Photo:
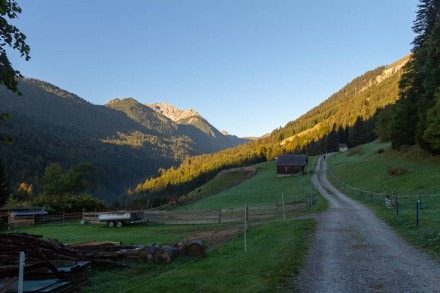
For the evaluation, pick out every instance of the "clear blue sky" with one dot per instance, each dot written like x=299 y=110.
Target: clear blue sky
x=247 y=66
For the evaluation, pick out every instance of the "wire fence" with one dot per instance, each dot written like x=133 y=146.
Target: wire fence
x=418 y=209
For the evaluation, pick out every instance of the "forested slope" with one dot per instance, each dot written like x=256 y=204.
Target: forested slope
x=124 y=140
x=348 y=116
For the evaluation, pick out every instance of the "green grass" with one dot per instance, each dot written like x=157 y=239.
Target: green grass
x=130 y=234
x=275 y=251
x=367 y=168
x=264 y=188
x=223 y=181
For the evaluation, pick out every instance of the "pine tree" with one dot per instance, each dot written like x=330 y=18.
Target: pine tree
x=432 y=132
x=420 y=81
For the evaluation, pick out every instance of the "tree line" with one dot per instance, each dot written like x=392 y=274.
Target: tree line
x=416 y=116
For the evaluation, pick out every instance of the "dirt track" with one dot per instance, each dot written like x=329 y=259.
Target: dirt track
x=354 y=251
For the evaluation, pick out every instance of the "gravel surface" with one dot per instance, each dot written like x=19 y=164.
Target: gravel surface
x=354 y=251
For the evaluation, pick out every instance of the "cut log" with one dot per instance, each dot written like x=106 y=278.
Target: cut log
x=164 y=255
x=195 y=249
x=179 y=248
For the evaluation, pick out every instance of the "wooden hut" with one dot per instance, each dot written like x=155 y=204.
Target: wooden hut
x=288 y=165
x=24 y=217
x=343 y=147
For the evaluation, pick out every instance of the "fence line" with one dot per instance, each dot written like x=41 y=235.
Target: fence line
x=216 y=216
x=36 y=219
x=175 y=217
x=408 y=205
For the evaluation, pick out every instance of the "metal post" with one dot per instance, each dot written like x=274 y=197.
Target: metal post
x=245 y=227
x=21 y=272
x=417 y=213
x=420 y=201
x=397 y=205
x=282 y=200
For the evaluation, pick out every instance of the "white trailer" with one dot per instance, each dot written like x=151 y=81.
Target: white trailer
x=118 y=219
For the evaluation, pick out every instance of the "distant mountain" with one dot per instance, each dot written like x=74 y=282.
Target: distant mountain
x=171 y=112
x=165 y=118
x=124 y=140
x=187 y=118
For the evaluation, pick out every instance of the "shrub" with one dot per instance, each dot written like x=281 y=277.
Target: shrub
x=68 y=203
x=397 y=171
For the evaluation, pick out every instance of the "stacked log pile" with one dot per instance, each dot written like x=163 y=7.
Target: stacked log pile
x=153 y=253
x=37 y=249
x=44 y=258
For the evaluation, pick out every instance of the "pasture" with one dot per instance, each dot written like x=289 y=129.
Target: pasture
x=273 y=253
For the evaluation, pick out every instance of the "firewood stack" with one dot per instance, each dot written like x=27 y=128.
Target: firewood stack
x=35 y=249
x=48 y=259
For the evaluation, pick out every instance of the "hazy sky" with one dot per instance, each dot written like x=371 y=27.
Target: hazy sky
x=247 y=66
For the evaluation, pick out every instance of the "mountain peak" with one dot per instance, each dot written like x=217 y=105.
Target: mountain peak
x=172 y=112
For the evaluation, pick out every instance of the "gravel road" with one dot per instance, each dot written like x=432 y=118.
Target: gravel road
x=354 y=251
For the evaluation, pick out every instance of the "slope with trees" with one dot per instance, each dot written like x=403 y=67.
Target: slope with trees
x=416 y=119
x=124 y=140
x=12 y=37
x=348 y=116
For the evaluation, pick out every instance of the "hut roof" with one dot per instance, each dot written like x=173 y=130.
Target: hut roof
x=27 y=212
x=292 y=160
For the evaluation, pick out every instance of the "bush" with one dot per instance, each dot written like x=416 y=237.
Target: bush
x=69 y=203
x=397 y=171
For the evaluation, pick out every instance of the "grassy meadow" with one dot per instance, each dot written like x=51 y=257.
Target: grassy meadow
x=264 y=188
x=274 y=253
x=372 y=171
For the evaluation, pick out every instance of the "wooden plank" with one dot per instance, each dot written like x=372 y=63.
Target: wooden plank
x=190 y=222
x=388 y=203
x=232 y=220
x=262 y=208
x=241 y=210
x=262 y=212
x=192 y=216
x=22 y=223
x=262 y=216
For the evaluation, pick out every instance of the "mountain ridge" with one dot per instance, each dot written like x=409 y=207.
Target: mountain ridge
x=172 y=112
x=125 y=140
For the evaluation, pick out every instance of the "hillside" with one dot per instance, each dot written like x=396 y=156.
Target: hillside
x=361 y=98
x=348 y=116
x=124 y=140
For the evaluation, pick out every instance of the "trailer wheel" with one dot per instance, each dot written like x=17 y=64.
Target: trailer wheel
x=111 y=224
x=119 y=224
